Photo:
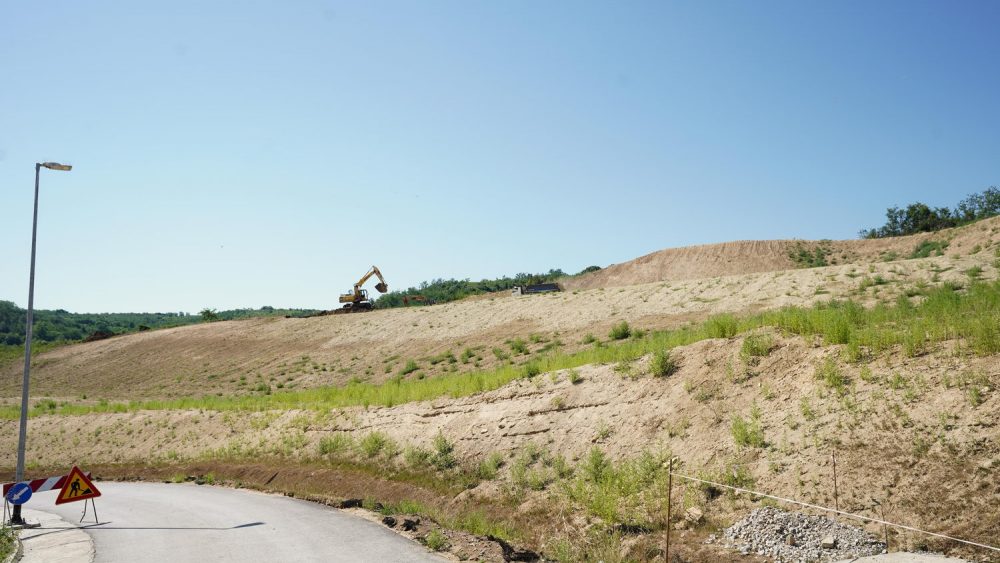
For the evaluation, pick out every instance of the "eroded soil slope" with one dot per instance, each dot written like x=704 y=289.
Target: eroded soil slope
x=754 y=256
x=914 y=428
x=261 y=355
x=906 y=426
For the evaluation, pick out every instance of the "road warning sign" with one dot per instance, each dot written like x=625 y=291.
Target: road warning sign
x=77 y=487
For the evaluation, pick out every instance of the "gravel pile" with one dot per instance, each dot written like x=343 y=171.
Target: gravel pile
x=792 y=536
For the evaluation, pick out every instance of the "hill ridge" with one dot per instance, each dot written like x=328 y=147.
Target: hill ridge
x=758 y=256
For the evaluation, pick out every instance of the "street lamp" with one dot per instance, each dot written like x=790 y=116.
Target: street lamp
x=19 y=475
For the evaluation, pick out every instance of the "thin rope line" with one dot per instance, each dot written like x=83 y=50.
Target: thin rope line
x=841 y=512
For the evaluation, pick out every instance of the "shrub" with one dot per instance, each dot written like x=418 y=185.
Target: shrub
x=854 y=353
x=929 y=247
x=574 y=377
x=336 y=443
x=46 y=404
x=519 y=346
x=662 y=364
x=374 y=443
x=436 y=540
x=756 y=345
x=721 y=326
x=467 y=355
x=620 y=331
x=489 y=467
x=444 y=457
x=417 y=457
x=806 y=257
x=628 y=494
x=748 y=432
x=597 y=465
x=562 y=468
x=410 y=367
x=531 y=370
x=449 y=356
x=588 y=339
x=830 y=374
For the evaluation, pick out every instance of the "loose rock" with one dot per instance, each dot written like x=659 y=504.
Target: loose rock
x=694 y=515
x=794 y=536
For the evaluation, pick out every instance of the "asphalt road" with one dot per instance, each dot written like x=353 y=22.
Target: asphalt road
x=153 y=522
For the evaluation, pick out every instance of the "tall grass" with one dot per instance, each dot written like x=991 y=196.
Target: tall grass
x=970 y=316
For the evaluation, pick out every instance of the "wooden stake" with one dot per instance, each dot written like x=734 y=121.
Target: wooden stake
x=836 y=501
x=670 y=489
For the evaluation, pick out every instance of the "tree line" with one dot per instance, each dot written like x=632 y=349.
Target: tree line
x=921 y=218
x=442 y=290
x=62 y=326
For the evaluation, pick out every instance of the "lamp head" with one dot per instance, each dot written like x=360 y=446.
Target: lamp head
x=56 y=166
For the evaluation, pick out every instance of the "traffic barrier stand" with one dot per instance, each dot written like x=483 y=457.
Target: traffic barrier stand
x=84 y=515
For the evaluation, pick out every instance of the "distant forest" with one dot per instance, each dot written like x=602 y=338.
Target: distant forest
x=921 y=218
x=59 y=326
x=441 y=291
x=63 y=326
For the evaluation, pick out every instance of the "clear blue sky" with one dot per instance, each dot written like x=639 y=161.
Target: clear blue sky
x=240 y=154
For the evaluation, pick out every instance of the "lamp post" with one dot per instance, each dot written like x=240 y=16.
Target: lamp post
x=19 y=475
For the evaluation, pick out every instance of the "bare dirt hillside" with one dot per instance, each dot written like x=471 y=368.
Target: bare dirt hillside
x=906 y=428
x=743 y=257
x=262 y=355
x=915 y=429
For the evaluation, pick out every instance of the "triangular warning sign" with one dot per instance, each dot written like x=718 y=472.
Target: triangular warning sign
x=77 y=487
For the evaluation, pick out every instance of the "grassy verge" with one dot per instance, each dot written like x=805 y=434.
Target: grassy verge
x=8 y=542
x=969 y=316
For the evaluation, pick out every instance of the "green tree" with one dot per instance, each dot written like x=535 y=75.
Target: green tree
x=921 y=218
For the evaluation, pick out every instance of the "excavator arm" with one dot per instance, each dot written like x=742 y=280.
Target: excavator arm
x=359 y=297
x=382 y=287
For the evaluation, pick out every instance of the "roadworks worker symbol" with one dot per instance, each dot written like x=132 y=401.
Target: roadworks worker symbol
x=77 y=487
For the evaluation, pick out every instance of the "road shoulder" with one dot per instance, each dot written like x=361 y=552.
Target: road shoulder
x=55 y=540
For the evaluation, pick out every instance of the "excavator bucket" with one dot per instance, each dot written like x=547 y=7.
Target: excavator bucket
x=381 y=287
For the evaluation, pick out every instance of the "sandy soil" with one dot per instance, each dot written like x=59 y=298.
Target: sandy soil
x=236 y=357
x=755 y=256
x=891 y=442
x=906 y=435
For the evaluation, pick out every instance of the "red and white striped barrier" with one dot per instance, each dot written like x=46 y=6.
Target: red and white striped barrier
x=41 y=485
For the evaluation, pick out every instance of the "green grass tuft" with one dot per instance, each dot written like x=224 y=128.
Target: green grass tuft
x=748 y=432
x=662 y=364
x=620 y=331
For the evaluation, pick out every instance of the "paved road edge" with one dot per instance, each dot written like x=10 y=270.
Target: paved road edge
x=55 y=540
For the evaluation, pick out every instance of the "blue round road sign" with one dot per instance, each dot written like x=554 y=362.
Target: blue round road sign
x=19 y=493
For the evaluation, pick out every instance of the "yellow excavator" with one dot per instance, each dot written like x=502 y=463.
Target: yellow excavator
x=358 y=301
